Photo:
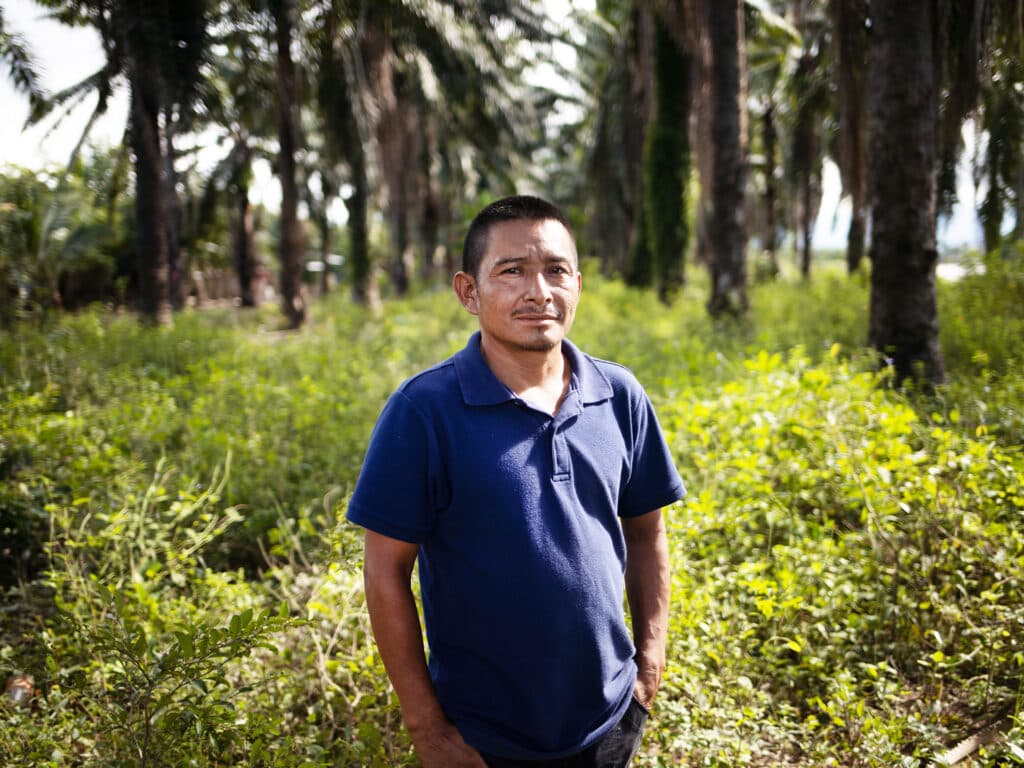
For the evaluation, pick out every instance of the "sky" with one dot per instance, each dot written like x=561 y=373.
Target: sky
x=64 y=56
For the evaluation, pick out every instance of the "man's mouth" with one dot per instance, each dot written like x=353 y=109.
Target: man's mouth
x=535 y=316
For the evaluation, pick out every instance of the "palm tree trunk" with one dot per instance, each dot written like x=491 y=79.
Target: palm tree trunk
x=393 y=145
x=809 y=199
x=430 y=202
x=727 y=223
x=344 y=95
x=991 y=211
x=1018 y=225
x=904 y=323
x=150 y=215
x=769 y=135
x=702 y=133
x=667 y=162
x=243 y=250
x=319 y=211
x=807 y=158
x=849 y=21
x=632 y=256
x=173 y=212
x=290 y=247
x=364 y=285
x=806 y=229
x=856 y=237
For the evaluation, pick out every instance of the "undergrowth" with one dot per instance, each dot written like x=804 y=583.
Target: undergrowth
x=182 y=586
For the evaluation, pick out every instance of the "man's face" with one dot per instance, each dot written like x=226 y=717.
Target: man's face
x=527 y=287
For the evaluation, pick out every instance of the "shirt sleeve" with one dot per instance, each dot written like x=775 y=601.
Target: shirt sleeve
x=396 y=490
x=654 y=481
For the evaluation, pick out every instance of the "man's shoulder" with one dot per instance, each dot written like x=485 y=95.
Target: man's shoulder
x=619 y=376
x=436 y=381
x=611 y=368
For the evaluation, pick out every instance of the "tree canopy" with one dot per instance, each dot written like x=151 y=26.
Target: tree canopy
x=406 y=115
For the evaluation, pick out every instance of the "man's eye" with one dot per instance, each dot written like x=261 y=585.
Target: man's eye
x=511 y=271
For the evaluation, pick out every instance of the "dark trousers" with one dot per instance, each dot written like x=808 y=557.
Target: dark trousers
x=615 y=749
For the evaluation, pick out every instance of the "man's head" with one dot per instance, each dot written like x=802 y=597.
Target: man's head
x=515 y=208
x=521 y=276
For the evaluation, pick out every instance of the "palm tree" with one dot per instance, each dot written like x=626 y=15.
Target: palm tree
x=190 y=60
x=341 y=100
x=140 y=39
x=614 y=60
x=667 y=153
x=458 y=60
x=771 y=48
x=404 y=81
x=1002 y=123
x=234 y=99
x=925 y=76
x=808 y=85
x=961 y=57
x=290 y=247
x=24 y=276
x=722 y=46
x=849 y=24
x=164 y=44
x=156 y=45
x=57 y=256
x=903 y=106
x=394 y=131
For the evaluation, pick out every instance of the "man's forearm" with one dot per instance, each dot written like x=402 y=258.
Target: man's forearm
x=648 y=586
x=396 y=628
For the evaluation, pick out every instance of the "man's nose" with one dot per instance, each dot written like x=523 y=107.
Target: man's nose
x=537 y=288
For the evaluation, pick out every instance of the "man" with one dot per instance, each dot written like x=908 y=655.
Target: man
x=527 y=479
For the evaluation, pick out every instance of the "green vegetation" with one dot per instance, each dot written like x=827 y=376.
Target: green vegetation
x=185 y=591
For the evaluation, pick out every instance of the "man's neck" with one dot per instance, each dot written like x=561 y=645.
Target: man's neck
x=540 y=377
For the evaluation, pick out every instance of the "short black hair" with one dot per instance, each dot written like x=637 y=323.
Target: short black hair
x=515 y=208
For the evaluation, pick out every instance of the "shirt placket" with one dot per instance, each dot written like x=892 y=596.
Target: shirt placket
x=560 y=459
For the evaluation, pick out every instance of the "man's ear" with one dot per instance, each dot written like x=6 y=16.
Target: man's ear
x=465 y=289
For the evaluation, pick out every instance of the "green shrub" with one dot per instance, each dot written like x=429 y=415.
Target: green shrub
x=145 y=654
x=847 y=573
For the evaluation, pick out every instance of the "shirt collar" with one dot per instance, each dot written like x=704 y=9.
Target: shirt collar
x=480 y=386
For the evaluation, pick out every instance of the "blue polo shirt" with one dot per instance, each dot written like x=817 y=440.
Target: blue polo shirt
x=521 y=556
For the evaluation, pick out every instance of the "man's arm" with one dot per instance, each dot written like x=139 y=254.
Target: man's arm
x=648 y=582
x=396 y=626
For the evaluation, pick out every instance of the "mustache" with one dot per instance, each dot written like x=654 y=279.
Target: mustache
x=538 y=312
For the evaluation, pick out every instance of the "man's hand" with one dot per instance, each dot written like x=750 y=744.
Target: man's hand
x=441 y=746
x=648 y=582
x=648 y=679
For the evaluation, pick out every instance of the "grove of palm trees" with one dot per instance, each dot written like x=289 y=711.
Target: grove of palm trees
x=189 y=375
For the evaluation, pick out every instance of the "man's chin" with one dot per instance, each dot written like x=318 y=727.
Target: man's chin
x=544 y=346
x=542 y=340
x=539 y=344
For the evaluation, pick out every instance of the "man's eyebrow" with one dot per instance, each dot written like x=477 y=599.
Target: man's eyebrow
x=509 y=260
x=550 y=258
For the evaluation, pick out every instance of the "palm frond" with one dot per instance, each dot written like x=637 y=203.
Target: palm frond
x=773 y=25
x=70 y=97
x=14 y=52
